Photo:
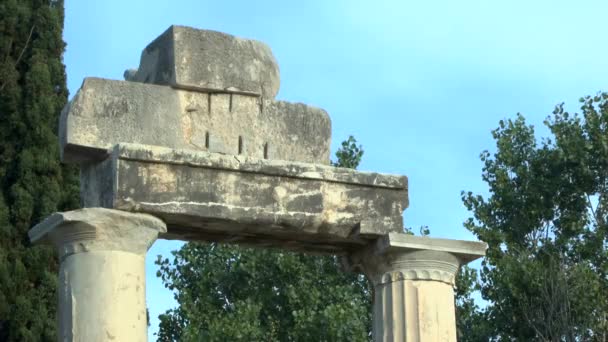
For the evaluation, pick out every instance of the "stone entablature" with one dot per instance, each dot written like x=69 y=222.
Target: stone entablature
x=195 y=89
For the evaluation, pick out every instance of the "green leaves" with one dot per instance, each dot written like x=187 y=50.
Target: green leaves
x=349 y=155
x=241 y=294
x=545 y=224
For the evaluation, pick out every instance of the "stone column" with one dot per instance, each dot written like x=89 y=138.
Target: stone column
x=413 y=281
x=102 y=290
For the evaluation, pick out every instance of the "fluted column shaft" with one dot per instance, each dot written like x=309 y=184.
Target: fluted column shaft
x=414 y=299
x=413 y=282
x=102 y=272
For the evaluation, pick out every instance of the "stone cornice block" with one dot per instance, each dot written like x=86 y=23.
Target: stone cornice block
x=215 y=197
x=209 y=61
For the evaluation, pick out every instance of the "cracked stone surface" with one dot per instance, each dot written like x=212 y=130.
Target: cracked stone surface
x=215 y=197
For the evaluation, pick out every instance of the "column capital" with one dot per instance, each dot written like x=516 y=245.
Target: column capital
x=98 y=229
x=398 y=256
x=413 y=279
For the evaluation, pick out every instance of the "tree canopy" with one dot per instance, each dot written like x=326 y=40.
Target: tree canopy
x=33 y=183
x=545 y=274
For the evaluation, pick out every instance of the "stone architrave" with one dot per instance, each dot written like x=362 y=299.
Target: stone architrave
x=413 y=280
x=214 y=197
x=102 y=290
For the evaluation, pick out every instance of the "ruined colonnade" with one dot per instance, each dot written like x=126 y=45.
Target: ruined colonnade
x=193 y=146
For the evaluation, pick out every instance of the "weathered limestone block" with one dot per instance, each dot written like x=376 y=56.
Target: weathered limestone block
x=106 y=112
x=413 y=279
x=209 y=61
x=214 y=197
x=102 y=293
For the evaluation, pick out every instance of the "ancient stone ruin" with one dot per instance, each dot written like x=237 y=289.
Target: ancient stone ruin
x=193 y=146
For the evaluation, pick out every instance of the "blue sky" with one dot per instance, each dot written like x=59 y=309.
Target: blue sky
x=420 y=84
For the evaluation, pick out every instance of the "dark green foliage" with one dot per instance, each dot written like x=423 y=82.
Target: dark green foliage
x=471 y=322
x=349 y=155
x=546 y=271
x=227 y=293
x=33 y=183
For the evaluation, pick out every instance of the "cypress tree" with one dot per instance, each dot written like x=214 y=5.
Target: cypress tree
x=33 y=183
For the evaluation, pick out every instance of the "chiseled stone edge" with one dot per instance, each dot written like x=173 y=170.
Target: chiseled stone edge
x=466 y=251
x=148 y=153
